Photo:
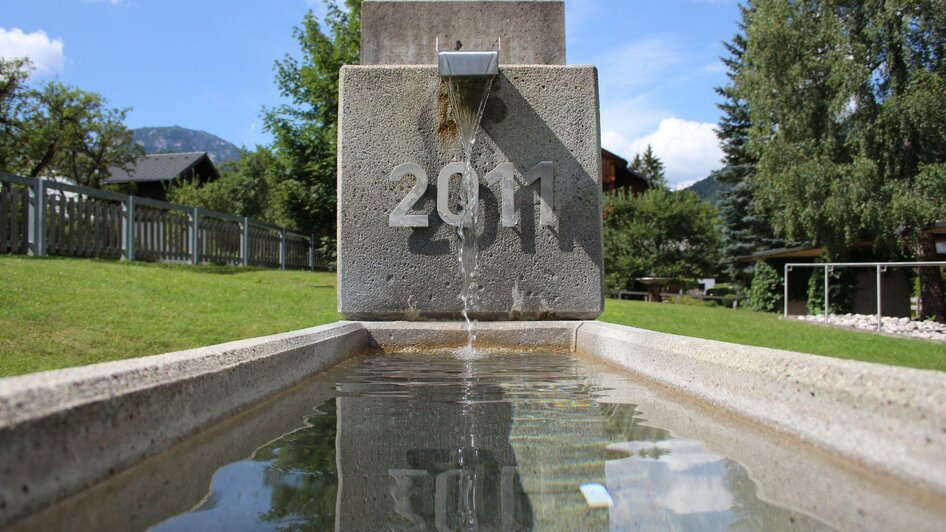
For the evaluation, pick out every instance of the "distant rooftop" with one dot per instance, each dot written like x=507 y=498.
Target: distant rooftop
x=162 y=167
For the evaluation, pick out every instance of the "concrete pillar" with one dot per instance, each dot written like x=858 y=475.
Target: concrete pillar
x=396 y=32
x=282 y=248
x=245 y=242
x=128 y=229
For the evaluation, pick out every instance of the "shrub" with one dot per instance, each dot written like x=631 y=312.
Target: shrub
x=765 y=292
x=327 y=249
x=660 y=233
x=843 y=286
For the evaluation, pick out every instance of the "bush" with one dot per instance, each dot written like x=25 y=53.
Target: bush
x=765 y=292
x=328 y=251
x=843 y=286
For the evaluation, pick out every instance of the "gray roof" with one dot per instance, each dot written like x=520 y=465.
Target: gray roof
x=159 y=167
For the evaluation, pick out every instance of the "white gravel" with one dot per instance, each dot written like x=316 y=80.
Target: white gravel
x=900 y=326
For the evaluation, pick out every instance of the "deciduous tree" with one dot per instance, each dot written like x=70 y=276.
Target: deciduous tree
x=659 y=233
x=57 y=130
x=304 y=128
x=847 y=106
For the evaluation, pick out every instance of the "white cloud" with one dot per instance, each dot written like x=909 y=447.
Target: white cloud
x=630 y=78
x=693 y=494
x=45 y=53
x=631 y=117
x=684 y=184
x=113 y=2
x=689 y=150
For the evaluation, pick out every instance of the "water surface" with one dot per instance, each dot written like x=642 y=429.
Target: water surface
x=500 y=442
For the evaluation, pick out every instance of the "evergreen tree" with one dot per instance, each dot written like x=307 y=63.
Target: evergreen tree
x=745 y=230
x=651 y=167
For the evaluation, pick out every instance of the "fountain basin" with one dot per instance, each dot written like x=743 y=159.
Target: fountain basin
x=63 y=431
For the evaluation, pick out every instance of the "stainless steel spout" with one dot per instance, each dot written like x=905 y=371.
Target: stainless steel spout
x=468 y=64
x=464 y=63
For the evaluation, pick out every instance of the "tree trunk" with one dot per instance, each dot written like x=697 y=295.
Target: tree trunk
x=932 y=302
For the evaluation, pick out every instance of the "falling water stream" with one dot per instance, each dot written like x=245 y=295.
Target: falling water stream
x=467 y=96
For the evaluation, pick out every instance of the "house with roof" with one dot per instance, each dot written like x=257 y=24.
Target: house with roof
x=154 y=174
x=617 y=175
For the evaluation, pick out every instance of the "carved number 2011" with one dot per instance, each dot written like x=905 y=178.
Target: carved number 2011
x=504 y=173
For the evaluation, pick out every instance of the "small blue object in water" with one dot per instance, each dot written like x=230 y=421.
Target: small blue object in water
x=596 y=495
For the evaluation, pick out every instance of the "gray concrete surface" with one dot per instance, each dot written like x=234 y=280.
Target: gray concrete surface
x=62 y=431
x=785 y=470
x=395 y=336
x=399 y=32
x=886 y=418
x=394 y=115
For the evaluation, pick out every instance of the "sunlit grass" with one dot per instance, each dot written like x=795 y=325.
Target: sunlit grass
x=767 y=330
x=57 y=313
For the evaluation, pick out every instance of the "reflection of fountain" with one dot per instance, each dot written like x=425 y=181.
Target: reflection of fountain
x=468 y=77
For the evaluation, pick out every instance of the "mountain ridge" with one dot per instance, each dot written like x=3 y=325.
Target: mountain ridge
x=709 y=189
x=171 y=139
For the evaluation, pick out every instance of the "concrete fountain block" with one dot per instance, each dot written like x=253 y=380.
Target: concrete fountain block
x=405 y=32
x=391 y=115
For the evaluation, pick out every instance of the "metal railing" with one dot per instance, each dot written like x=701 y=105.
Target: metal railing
x=39 y=217
x=881 y=267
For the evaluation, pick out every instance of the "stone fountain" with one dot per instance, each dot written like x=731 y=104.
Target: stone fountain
x=536 y=164
x=816 y=432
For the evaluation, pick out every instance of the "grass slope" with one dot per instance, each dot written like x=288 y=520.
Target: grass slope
x=57 y=313
x=767 y=330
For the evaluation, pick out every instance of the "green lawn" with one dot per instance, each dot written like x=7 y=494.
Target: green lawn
x=767 y=330
x=57 y=313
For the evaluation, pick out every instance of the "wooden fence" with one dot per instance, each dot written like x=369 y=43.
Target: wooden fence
x=40 y=218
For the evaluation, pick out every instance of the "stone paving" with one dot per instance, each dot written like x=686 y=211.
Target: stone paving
x=930 y=330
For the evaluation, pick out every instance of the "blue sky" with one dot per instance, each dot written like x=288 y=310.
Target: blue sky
x=207 y=64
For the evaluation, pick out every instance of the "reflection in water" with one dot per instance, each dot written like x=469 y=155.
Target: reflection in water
x=431 y=442
x=288 y=483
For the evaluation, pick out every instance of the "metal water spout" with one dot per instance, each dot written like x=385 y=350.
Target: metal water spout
x=463 y=63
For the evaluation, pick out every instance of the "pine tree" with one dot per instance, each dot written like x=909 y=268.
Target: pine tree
x=745 y=231
x=651 y=167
